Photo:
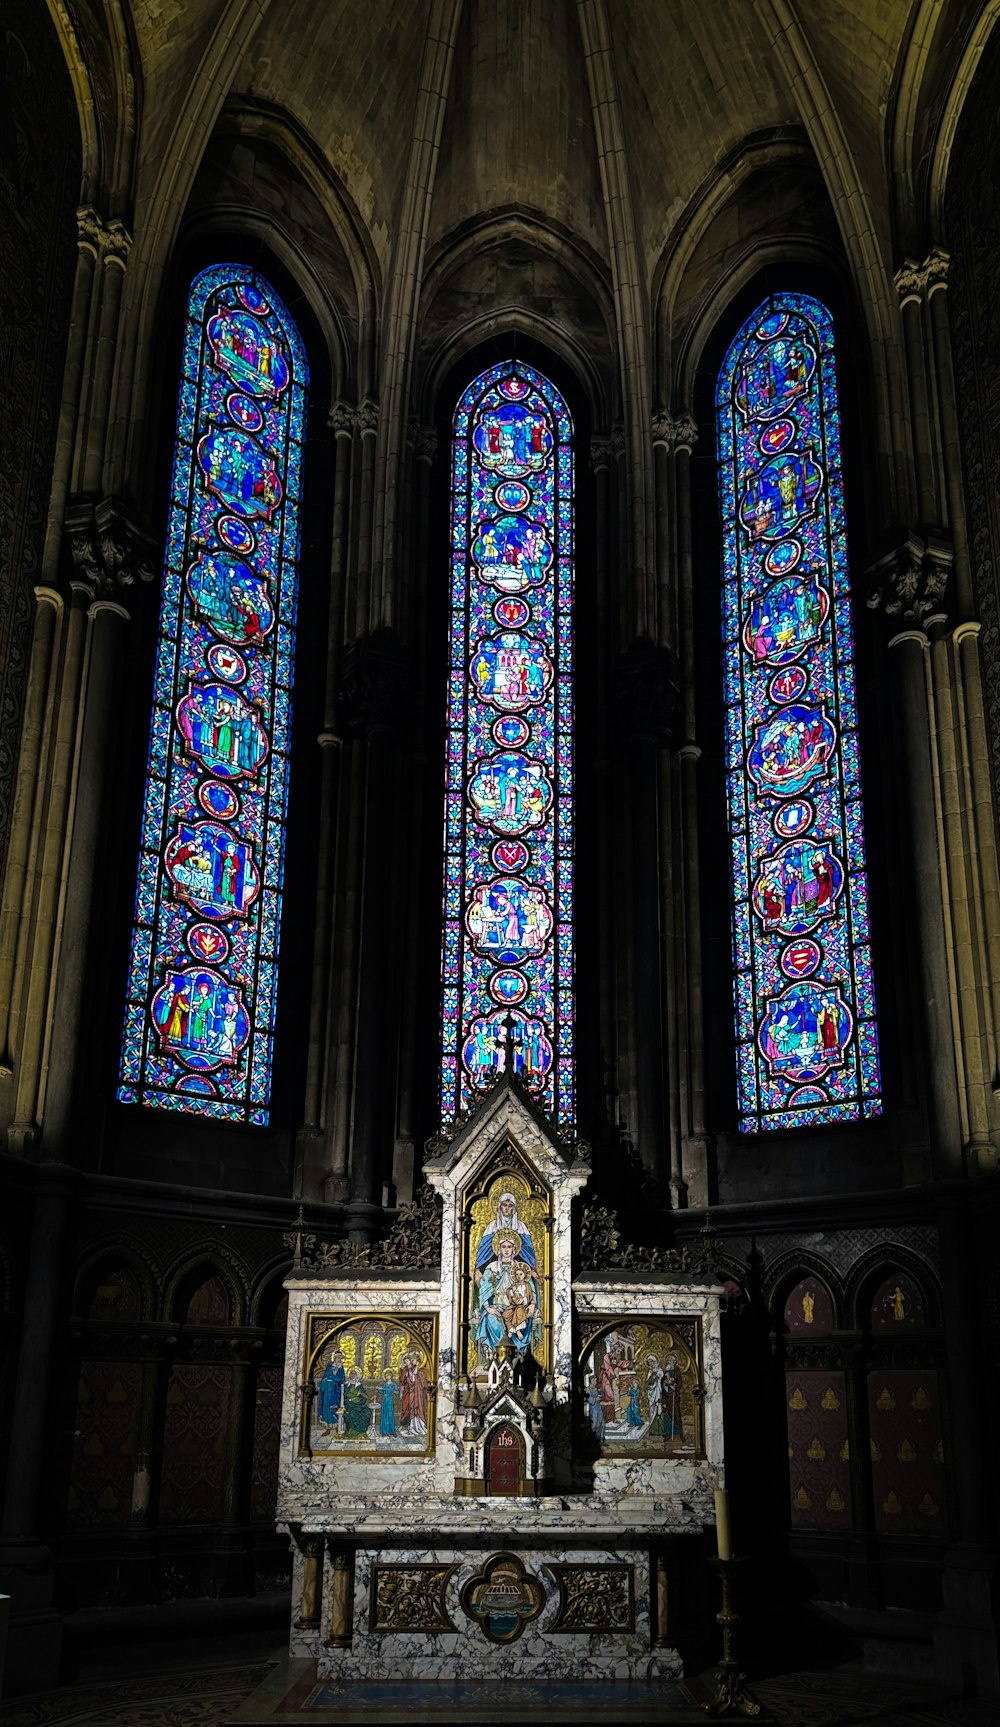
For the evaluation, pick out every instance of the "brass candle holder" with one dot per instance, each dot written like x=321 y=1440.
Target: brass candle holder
x=731 y=1695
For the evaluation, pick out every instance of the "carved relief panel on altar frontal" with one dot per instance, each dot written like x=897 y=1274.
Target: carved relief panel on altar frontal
x=370 y=1382
x=506 y=1297
x=641 y=1387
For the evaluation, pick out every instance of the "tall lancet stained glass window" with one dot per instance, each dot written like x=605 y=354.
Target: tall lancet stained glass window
x=807 y=1046
x=199 y=1021
x=508 y=911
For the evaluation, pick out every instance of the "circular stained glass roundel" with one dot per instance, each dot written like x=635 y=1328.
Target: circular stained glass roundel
x=207 y=943
x=219 y=801
x=226 y=663
x=509 y=854
x=794 y=818
x=511 y=612
x=801 y=958
x=508 y=987
x=253 y=299
x=774 y=438
x=235 y=534
x=511 y=730
x=512 y=495
x=783 y=557
x=787 y=684
x=244 y=411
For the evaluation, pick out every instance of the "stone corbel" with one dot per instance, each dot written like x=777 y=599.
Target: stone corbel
x=910 y=582
x=648 y=693
x=376 y=686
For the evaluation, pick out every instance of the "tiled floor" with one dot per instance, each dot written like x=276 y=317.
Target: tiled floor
x=272 y=1692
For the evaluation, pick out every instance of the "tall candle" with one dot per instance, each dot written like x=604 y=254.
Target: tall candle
x=723 y=1533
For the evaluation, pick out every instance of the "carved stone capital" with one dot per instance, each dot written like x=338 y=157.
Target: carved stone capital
x=910 y=581
x=109 y=241
x=425 y=444
x=685 y=433
x=366 y=418
x=376 y=686
x=110 y=551
x=918 y=281
x=618 y=442
x=600 y=453
x=663 y=430
x=341 y=420
x=648 y=693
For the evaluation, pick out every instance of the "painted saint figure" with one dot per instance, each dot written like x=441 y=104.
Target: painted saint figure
x=413 y=1385
x=331 y=1390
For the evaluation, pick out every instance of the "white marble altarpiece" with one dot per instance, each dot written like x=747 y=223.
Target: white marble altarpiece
x=488 y=1466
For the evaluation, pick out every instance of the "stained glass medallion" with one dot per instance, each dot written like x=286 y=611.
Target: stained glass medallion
x=807 y=1044
x=508 y=896
x=199 y=1020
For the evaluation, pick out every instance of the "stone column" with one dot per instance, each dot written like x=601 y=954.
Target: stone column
x=310 y=1170
x=694 y=1135
x=376 y=705
x=311 y=1596
x=648 y=696
x=404 y=1157
x=341 y=1588
x=26 y=1567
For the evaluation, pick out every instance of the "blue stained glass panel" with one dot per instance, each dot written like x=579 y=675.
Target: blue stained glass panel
x=807 y=1043
x=507 y=960
x=199 y=1022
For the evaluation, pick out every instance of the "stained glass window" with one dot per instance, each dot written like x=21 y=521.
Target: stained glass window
x=508 y=907
x=199 y=1021
x=807 y=1046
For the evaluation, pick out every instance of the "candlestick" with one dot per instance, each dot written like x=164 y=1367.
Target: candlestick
x=723 y=1531
x=731 y=1696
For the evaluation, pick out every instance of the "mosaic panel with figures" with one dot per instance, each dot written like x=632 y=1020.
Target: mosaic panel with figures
x=818 y=1450
x=641 y=1382
x=907 y=1452
x=506 y=1286
x=373 y=1383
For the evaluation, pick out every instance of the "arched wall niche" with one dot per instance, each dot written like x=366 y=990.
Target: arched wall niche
x=100 y=1271
x=793 y=1161
x=183 y=1283
x=512 y=272
x=149 y=1143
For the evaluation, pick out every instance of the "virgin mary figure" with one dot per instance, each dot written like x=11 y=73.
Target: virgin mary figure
x=506 y=1222
x=508 y=1299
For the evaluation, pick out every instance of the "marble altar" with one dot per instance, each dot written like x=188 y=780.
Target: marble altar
x=490 y=1466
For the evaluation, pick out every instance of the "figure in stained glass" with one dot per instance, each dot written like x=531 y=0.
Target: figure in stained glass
x=212 y=869
x=199 y=1037
x=807 y=1047
x=232 y=598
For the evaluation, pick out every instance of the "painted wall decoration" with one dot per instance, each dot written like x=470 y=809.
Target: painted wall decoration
x=508 y=895
x=506 y=1296
x=819 y=1470
x=907 y=1452
x=807 y=1045
x=373 y=1378
x=199 y=1022
x=638 y=1381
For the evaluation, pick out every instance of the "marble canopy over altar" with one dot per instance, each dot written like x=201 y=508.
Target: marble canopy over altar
x=487 y=1465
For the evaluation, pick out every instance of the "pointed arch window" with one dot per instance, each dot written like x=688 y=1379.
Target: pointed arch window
x=807 y=1044
x=199 y=1022
x=508 y=894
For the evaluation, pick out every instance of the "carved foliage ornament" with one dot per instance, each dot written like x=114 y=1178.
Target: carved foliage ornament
x=602 y=1247
x=413 y=1242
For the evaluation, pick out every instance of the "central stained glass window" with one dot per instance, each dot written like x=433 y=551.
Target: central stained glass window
x=807 y=1045
x=199 y=1022
x=508 y=895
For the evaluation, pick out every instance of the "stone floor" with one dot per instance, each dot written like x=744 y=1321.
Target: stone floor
x=271 y=1691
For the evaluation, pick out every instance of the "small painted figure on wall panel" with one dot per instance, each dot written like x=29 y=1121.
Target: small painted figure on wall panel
x=638 y=1380
x=373 y=1382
